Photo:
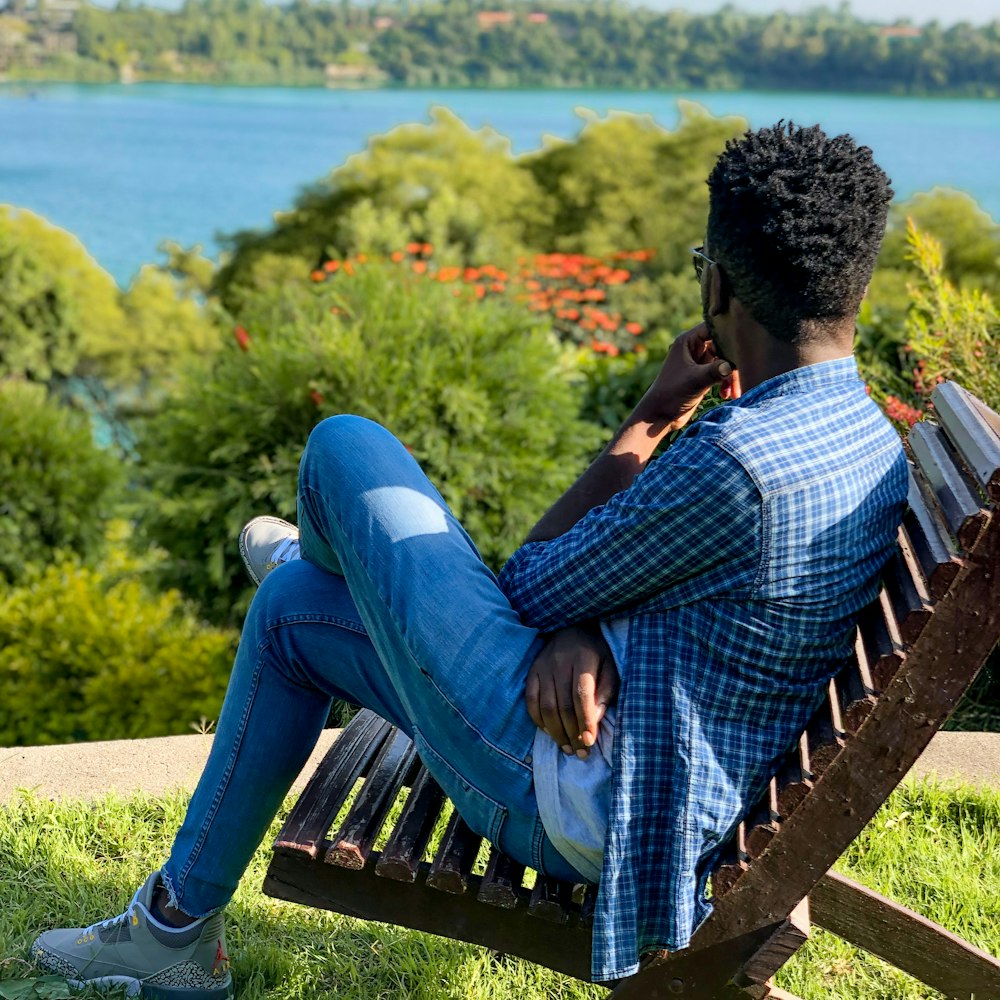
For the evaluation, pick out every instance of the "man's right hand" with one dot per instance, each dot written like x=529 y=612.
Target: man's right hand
x=570 y=685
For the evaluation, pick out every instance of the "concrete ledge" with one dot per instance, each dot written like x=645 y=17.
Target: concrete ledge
x=89 y=770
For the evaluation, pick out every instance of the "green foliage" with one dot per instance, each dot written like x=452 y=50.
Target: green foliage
x=54 y=299
x=624 y=183
x=96 y=654
x=969 y=238
x=461 y=44
x=953 y=333
x=59 y=488
x=481 y=395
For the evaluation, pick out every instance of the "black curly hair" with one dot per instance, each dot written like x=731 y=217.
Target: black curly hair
x=795 y=220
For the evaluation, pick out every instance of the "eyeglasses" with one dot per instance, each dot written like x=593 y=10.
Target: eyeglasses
x=700 y=260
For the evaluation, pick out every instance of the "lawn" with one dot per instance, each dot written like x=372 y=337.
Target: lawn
x=935 y=848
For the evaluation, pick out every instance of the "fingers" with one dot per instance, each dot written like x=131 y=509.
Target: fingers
x=587 y=715
x=532 y=690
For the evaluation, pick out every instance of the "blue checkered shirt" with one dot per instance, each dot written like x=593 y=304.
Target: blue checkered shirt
x=741 y=556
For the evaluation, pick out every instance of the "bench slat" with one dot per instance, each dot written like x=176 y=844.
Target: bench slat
x=932 y=545
x=406 y=845
x=854 y=690
x=907 y=597
x=970 y=432
x=452 y=866
x=354 y=840
x=795 y=779
x=953 y=490
x=501 y=883
x=307 y=824
x=550 y=899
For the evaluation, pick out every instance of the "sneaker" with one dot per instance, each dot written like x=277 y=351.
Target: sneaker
x=138 y=952
x=266 y=543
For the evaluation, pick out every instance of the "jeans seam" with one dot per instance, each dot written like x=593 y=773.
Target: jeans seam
x=226 y=775
x=321 y=619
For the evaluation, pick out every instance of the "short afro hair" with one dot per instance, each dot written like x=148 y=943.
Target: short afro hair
x=795 y=220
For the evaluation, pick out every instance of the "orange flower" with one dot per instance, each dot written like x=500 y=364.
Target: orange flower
x=242 y=338
x=419 y=266
x=414 y=247
x=362 y=258
x=348 y=268
x=603 y=347
x=449 y=273
x=480 y=292
x=427 y=249
x=470 y=274
x=331 y=266
x=634 y=328
x=497 y=286
x=396 y=256
x=318 y=275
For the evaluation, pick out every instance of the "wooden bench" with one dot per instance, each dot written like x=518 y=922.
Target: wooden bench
x=918 y=648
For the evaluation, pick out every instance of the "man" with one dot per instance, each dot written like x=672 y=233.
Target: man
x=609 y=708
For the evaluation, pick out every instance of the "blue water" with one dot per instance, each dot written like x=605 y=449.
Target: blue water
x=125 y=167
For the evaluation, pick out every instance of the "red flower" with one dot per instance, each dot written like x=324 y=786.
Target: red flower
x=331 y=266
x=317 y=397
x=603 y=347
x=318 y=276
x=242 y=338
x=634 y=328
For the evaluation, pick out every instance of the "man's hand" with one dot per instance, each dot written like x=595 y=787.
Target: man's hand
x=569 y=687
x=690 y=369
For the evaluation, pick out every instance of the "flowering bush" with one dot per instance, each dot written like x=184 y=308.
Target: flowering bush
x=487 y=400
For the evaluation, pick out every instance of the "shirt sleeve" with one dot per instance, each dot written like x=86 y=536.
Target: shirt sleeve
x=689 y=511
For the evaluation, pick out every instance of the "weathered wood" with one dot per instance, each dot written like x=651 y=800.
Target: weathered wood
x=911 y=609
x=825 y=736
x=760 y=825
x=777 y=949
x=795 y=778
x=304 y=832
x=550 y=899
x=501 y=884
x=730 y=867
x=406 y=845
x=965 y=422
x=355 y=839
x=954 y=491
x=452 y=866
x=884 y=651
x=909 y=941
x=938 y=670
x=563 y=947
x=853 y=690
x=932 y=545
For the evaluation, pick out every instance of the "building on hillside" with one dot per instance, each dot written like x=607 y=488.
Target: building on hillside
x=383 y=23
x=900 y=31
x=537 y=17
x=489 y=19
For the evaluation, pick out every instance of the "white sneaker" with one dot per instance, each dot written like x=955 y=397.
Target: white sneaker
x=267 y=542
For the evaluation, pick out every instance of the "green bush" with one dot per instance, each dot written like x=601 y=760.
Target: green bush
x=480 y=392
x=94 y=654
x=59 y=488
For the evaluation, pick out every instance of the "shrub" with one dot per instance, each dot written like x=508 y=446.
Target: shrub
x=59 y=488
x=94 y=654
x=481 y=394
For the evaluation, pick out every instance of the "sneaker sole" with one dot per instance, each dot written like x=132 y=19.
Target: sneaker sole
x=136 y=988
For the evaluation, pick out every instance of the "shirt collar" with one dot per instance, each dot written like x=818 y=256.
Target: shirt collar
x=804 y=379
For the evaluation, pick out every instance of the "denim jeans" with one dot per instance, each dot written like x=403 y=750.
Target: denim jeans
x=392 y=608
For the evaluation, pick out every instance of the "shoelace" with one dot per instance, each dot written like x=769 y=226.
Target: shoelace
x=286 y=550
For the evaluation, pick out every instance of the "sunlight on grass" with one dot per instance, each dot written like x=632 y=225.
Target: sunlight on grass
x=935 y=848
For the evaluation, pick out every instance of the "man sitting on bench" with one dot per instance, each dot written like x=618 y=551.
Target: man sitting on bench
x=607 y=709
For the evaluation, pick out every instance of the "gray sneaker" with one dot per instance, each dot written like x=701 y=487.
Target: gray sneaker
x=265 y=543
x=133 y=951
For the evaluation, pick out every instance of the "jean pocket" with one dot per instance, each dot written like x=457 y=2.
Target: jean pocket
x=483 y=814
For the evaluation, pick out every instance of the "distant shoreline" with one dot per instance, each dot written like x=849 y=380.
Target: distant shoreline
x=29 y=84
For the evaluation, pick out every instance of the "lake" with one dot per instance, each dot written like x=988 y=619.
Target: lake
x=123 y=167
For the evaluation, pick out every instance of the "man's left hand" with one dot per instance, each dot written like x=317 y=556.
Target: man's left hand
x=570 y=685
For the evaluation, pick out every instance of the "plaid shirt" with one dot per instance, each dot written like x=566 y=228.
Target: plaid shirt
x=741 y=557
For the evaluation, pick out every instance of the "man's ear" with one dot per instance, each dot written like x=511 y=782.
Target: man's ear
x=718 y=291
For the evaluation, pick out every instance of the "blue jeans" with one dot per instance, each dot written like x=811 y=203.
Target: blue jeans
x=392 y=608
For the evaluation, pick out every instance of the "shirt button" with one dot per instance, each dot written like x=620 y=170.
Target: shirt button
x=527 y=760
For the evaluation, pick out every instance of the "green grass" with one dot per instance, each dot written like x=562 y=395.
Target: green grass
x=935 y=848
